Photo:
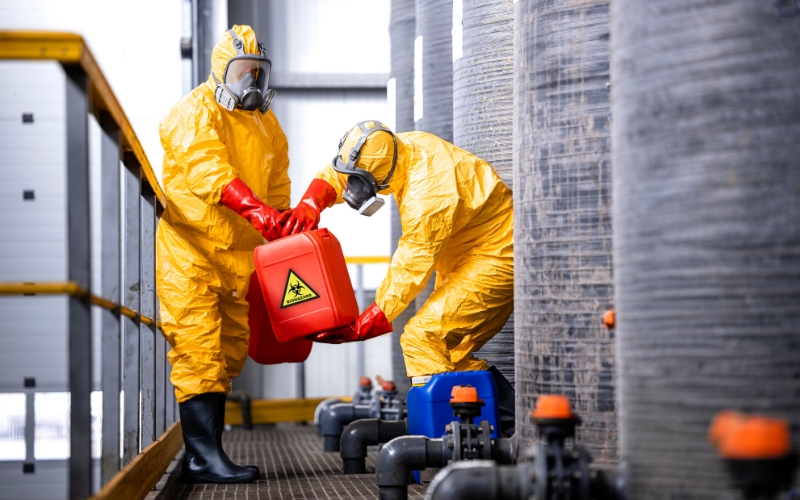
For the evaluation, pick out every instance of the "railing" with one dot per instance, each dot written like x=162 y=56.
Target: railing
x=133 y=352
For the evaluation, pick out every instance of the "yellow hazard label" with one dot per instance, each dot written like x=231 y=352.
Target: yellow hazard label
x=297 y=291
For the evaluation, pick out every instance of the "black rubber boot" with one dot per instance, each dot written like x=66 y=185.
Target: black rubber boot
x=206 y=461
x=222 y=399
x=506 y=401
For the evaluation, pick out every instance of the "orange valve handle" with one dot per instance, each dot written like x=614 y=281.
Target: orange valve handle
x=464 y=394
x=386 y=385
x=553 y=406
x=741 y=437
x=609 y=319
x=722 y=425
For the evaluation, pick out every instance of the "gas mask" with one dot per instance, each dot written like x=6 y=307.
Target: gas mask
x=244 y=83
x=361 y=192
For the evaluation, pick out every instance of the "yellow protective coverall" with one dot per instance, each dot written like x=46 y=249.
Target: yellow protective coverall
x=457 y=219
x=204 y=251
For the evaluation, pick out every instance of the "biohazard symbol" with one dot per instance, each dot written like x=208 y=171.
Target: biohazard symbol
x=297 y=291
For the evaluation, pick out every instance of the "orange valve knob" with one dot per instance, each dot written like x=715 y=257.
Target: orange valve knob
x=464 y=394
x=555 y=407
x=386 y=385
x=722 y=425
x=608 y=319
x=364 y=381
x=757 y=438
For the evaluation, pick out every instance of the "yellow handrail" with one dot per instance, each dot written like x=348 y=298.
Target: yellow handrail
x=368 y=259
x=74 y=290
x=69 y=48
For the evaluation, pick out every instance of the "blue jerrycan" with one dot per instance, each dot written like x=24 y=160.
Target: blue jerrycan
x=428 y=403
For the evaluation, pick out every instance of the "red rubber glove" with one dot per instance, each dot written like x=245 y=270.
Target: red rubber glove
x=241 y=199
x=305 y=216
x=370 y=324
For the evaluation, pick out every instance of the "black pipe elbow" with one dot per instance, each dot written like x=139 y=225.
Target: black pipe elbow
x=358 y=435
x=402 y=455
x=479 y=480
x=323 y=407
x=333 y=420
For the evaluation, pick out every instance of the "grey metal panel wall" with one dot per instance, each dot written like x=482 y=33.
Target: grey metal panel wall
x=33 y=246
x=483 y=99
x=402 y=28
x=48 y=482
x=562 y=204
x=706 y=120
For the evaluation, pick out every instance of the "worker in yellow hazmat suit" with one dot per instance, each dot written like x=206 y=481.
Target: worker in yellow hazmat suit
x=224 y=152
x=457 y=219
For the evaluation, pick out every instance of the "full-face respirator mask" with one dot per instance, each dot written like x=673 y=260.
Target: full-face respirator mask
x=361 y=192
x=245 y=82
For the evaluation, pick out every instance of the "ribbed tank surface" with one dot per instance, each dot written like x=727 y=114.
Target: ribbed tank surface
x=562 y=211
x=706 y=134
x=483 y=100
x=402 y=30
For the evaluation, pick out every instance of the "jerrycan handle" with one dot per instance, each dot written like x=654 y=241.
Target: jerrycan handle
x=323 y=232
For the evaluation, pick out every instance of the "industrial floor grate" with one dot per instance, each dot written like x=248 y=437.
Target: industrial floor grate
x=292 y=465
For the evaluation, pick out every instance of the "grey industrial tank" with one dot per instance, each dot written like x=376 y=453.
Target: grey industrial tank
x=433 y=80
x=483 y=100
x=402 y=30
x=562 y=216
x=433 y=71
x=706 y=133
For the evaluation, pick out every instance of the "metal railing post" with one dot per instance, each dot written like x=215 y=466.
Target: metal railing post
x=79 y=272
x=161 y=382
x=111 y=330
x=130 y=298
x=148 y=308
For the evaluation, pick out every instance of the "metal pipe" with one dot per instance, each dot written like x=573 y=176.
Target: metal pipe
x=402 y=455
x=358 y=435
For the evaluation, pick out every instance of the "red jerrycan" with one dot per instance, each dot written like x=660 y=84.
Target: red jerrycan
x=264 y=347
x=306 y=285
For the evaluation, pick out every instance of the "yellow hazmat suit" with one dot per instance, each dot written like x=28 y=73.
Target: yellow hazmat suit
x=204 y=251
x=457 y=219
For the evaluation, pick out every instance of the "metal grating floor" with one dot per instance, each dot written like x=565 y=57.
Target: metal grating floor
x=292 y=465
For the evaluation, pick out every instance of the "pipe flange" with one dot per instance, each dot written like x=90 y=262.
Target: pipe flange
x=455 y=428
x=486 y=438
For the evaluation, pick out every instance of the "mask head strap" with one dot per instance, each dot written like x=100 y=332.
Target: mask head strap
x=350 y=167
x=237 y=43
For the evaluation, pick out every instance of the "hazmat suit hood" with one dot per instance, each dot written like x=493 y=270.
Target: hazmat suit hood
x=224 y=51
x=376 y=157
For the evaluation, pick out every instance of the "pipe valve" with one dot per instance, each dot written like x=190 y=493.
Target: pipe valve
x=757 y=452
